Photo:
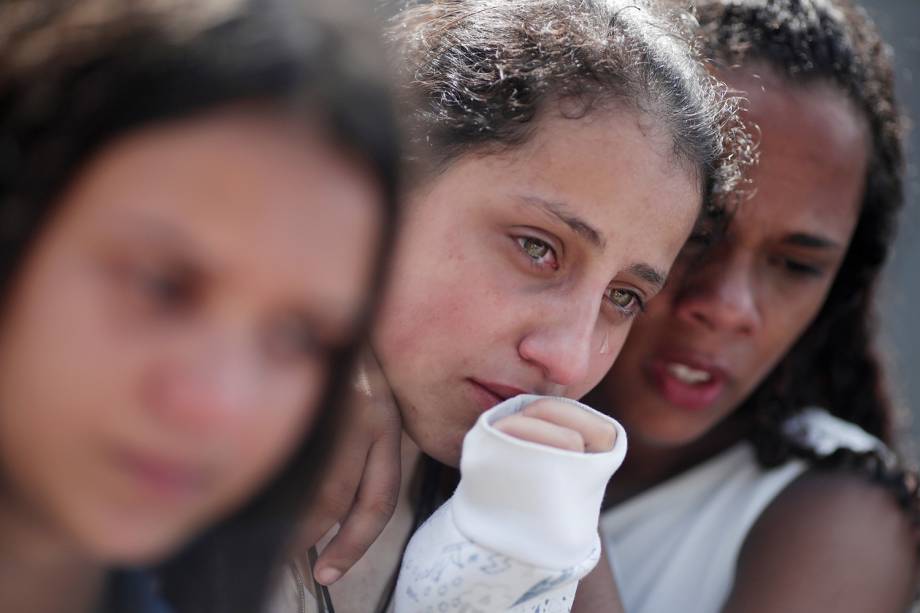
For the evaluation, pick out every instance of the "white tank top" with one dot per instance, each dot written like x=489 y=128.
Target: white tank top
x=675 y=546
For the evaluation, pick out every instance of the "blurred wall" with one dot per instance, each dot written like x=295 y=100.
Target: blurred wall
x=899 y=21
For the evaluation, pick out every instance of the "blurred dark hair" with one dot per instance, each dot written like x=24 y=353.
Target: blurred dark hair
x=76 y=75
x=477 y=73
x=834 y=364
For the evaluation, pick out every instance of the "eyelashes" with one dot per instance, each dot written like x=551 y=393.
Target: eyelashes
x=627 y=301
x=802 y=269
x=796 y=268
x=542 y=256
x=541 y=253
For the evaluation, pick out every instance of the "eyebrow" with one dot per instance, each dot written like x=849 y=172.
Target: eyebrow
x=801 y=239
x=561 y=212
x=149 y=229
x=648 y=274
x=157 y=233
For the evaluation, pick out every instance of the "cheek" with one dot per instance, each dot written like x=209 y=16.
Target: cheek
x=786 y=321
x=445 y=275
x=60 y=357
x=601 y=363
x=66 y=388
x=268 y=434
x=790 y=308
x=431 y=319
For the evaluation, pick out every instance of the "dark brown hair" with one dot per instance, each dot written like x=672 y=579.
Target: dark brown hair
x=478 y=72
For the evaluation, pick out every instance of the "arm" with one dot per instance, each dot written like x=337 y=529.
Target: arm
x=598 y=591
x=521 y=529
x=829 y=542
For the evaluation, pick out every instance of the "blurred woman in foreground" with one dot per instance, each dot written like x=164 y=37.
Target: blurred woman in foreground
x=195 y=202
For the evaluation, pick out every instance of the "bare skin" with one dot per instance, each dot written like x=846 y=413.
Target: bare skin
x=851 y=545
x=558 y=424
x=598 y=591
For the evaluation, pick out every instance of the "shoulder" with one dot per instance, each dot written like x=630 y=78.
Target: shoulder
x=831 y=539
x=840 y=509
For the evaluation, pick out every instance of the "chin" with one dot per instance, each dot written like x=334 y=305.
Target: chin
x=133 y=545
x=445 y=453
x=450 y=457
x=670 y=439
x=446 y=449
x=666 y=432
x=441 y=441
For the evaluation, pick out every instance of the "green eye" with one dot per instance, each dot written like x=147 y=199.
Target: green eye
x=622 y=298
x=540 y=254
x=534 y=248
x=625 y=300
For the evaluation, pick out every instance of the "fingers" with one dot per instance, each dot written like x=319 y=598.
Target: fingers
x=540 y=431
x=363 y=481
x=339 y=482
x=598 y=434
x=334 y=497
x=370 y=381
x=561 y=425
x=378 y=493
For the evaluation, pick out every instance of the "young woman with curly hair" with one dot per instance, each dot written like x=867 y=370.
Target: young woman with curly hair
x=563 y=151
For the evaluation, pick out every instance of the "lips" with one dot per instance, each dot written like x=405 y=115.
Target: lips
x=487 y=394
x=161 y=478
x=686 y=380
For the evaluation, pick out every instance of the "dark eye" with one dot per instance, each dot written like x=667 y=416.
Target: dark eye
x=293 y=338
x=540 y=252
x=800 y=268
x=164 y=289
x=796 y=267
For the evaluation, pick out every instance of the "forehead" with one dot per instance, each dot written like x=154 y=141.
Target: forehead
x=608 y=169
x=270 y=204
x=814 y=148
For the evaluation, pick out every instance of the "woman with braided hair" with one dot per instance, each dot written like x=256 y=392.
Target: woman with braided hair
x=760 y=475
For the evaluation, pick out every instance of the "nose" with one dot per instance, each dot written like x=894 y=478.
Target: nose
x=561 y=341
x=721 y=297
x=204 y=388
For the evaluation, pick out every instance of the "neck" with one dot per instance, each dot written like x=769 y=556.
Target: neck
x=40 y=571
x=649 y=463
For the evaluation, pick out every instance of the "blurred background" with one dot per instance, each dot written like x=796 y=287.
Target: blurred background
x=899 y=21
